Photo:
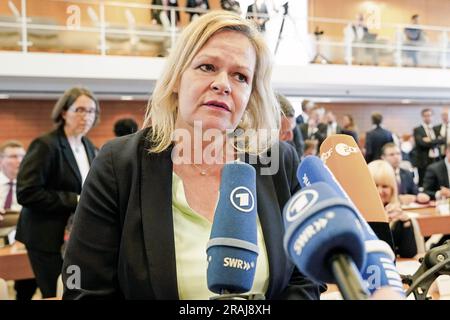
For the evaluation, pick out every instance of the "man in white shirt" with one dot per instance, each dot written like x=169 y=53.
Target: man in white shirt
x=11 y=155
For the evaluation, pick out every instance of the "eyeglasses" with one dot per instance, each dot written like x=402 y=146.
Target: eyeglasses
x=82 y=111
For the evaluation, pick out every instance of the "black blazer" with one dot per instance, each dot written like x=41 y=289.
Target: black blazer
x=47 y=187
x=123 y=238
x=319 y=135
x=375 y=140
x=436 y=176
x=422 y=147
x=407 y=185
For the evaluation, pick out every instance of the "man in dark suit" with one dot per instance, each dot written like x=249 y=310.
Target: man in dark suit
x=407 y=189
x=331 y=126
x=310 y=130
x=436 y=180
x=443 y=131
x=376 y=138
x=307 y=107
x=427 y=143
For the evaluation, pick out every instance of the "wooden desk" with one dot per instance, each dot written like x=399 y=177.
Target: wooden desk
x=14 y=263
x=430 y=221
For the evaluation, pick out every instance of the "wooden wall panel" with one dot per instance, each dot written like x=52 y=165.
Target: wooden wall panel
x=26 y=119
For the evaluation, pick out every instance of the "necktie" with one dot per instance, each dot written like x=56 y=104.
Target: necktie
x=9 y=196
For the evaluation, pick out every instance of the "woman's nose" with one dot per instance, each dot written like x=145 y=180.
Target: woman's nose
x=221 y=84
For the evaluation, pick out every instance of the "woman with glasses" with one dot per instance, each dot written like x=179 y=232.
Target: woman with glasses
x=49 y=183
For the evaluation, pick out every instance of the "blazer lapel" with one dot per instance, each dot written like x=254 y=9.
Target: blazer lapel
x=68 y=155
x=89 y=150
x=272 y=227
x=157 y=220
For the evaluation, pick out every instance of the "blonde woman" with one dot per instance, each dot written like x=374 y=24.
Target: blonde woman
x=145 y=216
x=402 y=229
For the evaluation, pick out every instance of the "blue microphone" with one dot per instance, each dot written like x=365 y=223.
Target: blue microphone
x=324 y=238
x=232 y=250
x=379 y=269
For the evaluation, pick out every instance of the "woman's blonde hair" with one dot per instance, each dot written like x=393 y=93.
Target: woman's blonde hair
x=262 y=111
x=383 y=174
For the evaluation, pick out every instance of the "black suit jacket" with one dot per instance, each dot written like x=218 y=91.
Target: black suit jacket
x=375 y=140
x=423 y=148
x=407 y=185
x=319 y=135
x=123 y=237
x=47 y=187
x=436 y=177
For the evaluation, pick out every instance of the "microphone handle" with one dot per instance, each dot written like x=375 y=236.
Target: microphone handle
x=348 y=278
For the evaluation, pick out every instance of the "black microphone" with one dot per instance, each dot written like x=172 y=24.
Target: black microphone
x=232 y=250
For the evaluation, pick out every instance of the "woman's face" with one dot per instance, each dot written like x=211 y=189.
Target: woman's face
x=216 y=86
x=385 y=193
x=80 y=116
x=346 y=121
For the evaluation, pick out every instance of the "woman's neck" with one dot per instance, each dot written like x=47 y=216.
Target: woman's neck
x=76 y=138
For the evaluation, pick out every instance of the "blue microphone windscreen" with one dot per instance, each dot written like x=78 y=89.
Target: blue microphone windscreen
x=320 y=223
x=233 y=247
x=312 y=170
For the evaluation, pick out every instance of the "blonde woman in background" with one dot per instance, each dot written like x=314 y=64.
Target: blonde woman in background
x=401 y=226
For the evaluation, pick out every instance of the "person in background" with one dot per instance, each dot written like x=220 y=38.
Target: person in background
x=11 y=155
x=159 y=16
x=49 y=183
x=349 y=127
x=401 y=225
x=376 y=138
x=427 y=143
x=197 y=4
x=330 y=126
x=125 y=126
x=436 y=181
x=259 y=13
x=414 y=37
x=443 y=131
x=289 y=131
x=407 y=189
x=147 y=207
x=362 y=36
x=307 y=107
x=231 y=5
x=311 y=148
x=407 y=149
x=310 y=129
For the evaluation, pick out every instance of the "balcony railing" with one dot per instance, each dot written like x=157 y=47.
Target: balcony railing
x=141 y=29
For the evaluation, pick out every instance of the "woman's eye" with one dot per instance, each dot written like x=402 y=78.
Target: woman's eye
x=207 y=67
x=241 y=78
